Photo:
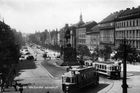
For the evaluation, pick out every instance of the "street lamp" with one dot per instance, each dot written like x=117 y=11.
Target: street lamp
x=124 y=82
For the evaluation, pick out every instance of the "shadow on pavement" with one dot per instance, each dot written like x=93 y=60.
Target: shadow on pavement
x=92 y=89
x=53 y=69
x=96 y=89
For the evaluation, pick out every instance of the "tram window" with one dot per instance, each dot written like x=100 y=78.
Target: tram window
x=67 y=79
x=105 y=67
x=63 y=79
x=98 y=66
x=102 y=66
x=116 y=68
x=73 y=80
x=112 y=68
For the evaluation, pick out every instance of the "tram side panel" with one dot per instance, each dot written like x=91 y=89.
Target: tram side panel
x=88 y=78
x=112 y=71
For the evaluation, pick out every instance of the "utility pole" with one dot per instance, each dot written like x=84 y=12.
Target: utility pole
x=124 y=82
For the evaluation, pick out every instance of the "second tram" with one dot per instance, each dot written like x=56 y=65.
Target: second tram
x=109 y=69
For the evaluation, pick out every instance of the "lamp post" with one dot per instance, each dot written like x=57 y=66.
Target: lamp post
x=124 y=82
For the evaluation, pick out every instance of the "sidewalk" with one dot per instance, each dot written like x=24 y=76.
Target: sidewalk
x=10 y=90
x=133 y=81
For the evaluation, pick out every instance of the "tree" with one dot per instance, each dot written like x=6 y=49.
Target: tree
x=9 y=48
x=106 y=52
x=103 y=53
x=130 y=53
x=95 y=54
x=83 y=50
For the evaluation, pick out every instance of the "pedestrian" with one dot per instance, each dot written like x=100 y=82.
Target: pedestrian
x=15 y=85
x=20 y=88
x=2 y=86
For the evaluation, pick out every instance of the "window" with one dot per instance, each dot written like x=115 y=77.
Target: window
x=136 y=33
x=127 y=24
x=133 y=22
x=136 y=22
x=105 y=67
x=67 y=79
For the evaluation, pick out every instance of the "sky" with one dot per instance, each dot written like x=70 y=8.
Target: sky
x=28 y=16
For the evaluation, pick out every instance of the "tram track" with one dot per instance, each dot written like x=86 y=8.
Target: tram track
x=110 y=87
x=107 y=81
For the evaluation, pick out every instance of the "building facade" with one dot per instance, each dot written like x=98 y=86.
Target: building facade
x=81 y=33
x=93 y=38
x=107 y=30
x=128 y=26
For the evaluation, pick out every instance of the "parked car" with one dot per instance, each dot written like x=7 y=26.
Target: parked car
x=23 y=57
x=30 y=57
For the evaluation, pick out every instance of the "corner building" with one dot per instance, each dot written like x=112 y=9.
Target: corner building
x=127 y=26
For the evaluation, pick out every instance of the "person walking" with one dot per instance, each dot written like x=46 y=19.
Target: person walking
x=15 y=85
x=20 y=88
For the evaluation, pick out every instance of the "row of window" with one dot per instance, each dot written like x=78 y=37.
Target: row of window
x=128 y=34
x=112 y=68
x=82 y=41
x=101 y=66
x=82 y=36
x=128 y=23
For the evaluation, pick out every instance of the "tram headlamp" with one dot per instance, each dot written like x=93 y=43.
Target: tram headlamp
x=67 y=87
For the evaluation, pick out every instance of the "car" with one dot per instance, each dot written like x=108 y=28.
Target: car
x=22 y=58
x=30 y=57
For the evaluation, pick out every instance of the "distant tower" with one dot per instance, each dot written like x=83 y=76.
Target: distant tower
x=81 y=22
x=81 y=18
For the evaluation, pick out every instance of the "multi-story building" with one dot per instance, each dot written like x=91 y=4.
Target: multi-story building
x=93 y=38
x=107 y=30
x=128 y=27
x=82 y=38
x=54 y=37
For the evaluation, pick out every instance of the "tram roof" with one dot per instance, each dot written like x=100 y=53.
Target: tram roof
x=105 y=62
x=77 y=70
x=80 y=68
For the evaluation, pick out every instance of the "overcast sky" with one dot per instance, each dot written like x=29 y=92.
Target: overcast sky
x=36 y=15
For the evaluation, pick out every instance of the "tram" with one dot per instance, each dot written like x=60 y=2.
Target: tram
x=110 y=69
x=79 y=77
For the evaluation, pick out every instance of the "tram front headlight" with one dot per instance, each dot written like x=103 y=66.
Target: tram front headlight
x=67 y=87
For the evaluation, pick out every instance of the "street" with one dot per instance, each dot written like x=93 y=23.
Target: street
x=41 y=76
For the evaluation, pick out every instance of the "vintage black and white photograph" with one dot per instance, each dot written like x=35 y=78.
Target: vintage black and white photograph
x=69 y=46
